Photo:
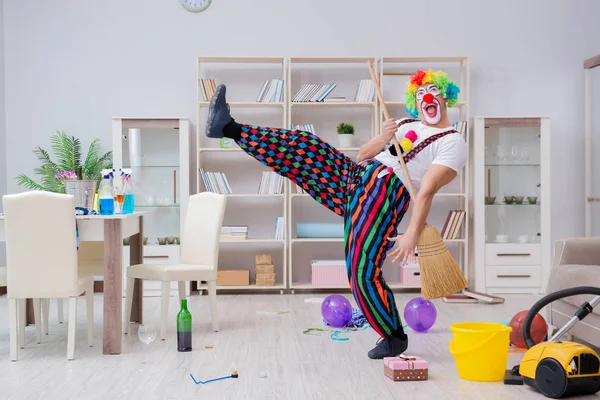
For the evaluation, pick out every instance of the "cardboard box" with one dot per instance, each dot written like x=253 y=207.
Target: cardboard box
x=233 y=278
x=264 y=269
x=263 y=259
x=265 y=279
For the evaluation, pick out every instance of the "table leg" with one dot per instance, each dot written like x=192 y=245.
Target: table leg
x=113 y=287
x=136 y=256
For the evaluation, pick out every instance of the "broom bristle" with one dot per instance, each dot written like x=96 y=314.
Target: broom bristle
x=440 y=274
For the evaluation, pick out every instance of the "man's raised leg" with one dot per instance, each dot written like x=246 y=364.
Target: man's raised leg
x=303 y=157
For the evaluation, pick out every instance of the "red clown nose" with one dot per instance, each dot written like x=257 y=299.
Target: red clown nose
x=428 y=98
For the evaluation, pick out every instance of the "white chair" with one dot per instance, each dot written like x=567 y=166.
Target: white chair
x=199 y=253
x=41 y=258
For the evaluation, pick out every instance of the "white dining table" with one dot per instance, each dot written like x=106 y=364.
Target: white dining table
x=112 y=229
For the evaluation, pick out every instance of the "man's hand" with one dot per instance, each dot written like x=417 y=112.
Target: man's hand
x=406 y=246
x=389 y=128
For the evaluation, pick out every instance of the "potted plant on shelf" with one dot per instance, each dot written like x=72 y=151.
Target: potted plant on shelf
x=345 y=132
x=69 y=174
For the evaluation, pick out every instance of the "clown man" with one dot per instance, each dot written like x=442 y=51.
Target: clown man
x=368 y=193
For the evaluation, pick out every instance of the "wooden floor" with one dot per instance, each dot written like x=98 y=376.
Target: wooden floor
x=274 y=359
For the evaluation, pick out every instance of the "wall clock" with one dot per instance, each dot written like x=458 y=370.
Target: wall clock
x=195 y=5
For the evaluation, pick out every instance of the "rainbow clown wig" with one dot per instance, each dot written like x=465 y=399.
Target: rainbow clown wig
x=448 y=89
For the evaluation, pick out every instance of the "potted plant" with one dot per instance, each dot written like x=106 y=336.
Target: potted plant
x=69 y=167
x=345 y=132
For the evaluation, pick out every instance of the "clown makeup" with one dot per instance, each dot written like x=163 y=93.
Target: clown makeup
x=427 y=101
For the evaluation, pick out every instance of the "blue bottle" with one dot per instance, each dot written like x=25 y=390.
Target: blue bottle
x=128 y=203
x=107 y=200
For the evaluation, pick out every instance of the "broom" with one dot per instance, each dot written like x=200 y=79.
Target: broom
x=440 y=274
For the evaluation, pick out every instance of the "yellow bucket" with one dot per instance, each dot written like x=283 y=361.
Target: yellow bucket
x=480 y=350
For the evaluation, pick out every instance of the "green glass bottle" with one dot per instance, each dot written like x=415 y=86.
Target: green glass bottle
x=184 y=328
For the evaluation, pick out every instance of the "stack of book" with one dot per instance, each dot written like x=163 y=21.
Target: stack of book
x=208 y=88
x=271 y=92
x=453 y=224
x=310 y=93
x=304 y=128
x=279 y=228
x=271 y=183
x=365 y=93
x=234 y=232
x=215 y=182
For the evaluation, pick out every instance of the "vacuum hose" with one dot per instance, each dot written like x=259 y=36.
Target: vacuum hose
x=585 y=309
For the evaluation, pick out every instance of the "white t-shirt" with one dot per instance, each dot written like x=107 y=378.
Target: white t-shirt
x=450 y=151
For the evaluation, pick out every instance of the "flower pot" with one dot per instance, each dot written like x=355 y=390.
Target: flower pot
x=345 y=140
x=83 y=191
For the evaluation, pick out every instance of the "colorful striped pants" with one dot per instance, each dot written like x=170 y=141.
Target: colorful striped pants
x=371 y=207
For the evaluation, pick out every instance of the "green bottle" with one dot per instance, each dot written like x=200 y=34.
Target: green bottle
x=184 y=328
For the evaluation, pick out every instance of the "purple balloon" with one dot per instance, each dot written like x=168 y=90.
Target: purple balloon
x=336 y=310
x=420 y=314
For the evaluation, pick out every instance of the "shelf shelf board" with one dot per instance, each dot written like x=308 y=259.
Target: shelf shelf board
x=317 y=240
x=421 y=59
x=153 y=166
x=251 y=241
x=241 y=60
x=512 y=165
x=248 y=287
x=460 y=104
x=247 y=104
x=331 y=60
x=157 y=206
x=254 y=195
x=332 y=104
x=393 y=285
x=218 y=150
x=524 y=203
x=436 y=195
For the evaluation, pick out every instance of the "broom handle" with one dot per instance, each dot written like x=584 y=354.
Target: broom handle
x=411 y=189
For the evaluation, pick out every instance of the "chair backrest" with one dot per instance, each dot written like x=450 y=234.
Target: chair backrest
x=41 y=247
x=201 y=234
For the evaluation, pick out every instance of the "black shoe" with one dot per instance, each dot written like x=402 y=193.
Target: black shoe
x=388 y=347
x=218 y=114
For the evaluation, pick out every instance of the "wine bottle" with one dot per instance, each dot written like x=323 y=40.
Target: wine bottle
x=184 y=328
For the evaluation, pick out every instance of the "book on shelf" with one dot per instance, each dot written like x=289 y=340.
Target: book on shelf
x=279 y=228
x=234 y=232
x=311 y=93
x=271 y=183
x=271 y=91
x=483 y=297
x=215 y=182
x=304 y=128
x=208 y=88
x=460 y=127
x=365 y=92
x=453 y=223
x=335 y=99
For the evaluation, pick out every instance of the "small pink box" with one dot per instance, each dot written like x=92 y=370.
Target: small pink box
x=410 y=275
x=329 y=272
x=406 y=368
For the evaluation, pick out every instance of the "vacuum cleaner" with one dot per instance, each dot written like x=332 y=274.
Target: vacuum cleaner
x=558 y=368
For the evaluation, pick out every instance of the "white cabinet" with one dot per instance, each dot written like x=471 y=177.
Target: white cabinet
x=511 y=190
x=158 y=153
x=592 y=146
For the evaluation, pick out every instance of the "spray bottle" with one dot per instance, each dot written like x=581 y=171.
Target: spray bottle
x=128 y=189
x=107 y=200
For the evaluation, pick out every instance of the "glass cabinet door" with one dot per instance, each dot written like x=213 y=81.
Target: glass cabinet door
x=593 y=153
x=512 y=181
x=153 y=156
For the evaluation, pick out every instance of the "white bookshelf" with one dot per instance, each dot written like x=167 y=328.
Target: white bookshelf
x=394 y=74
x=244 y=77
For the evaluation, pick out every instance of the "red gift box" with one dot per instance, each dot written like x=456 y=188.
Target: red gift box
x=406 y=368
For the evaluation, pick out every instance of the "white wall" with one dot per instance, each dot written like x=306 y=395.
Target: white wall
x=72 y=66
